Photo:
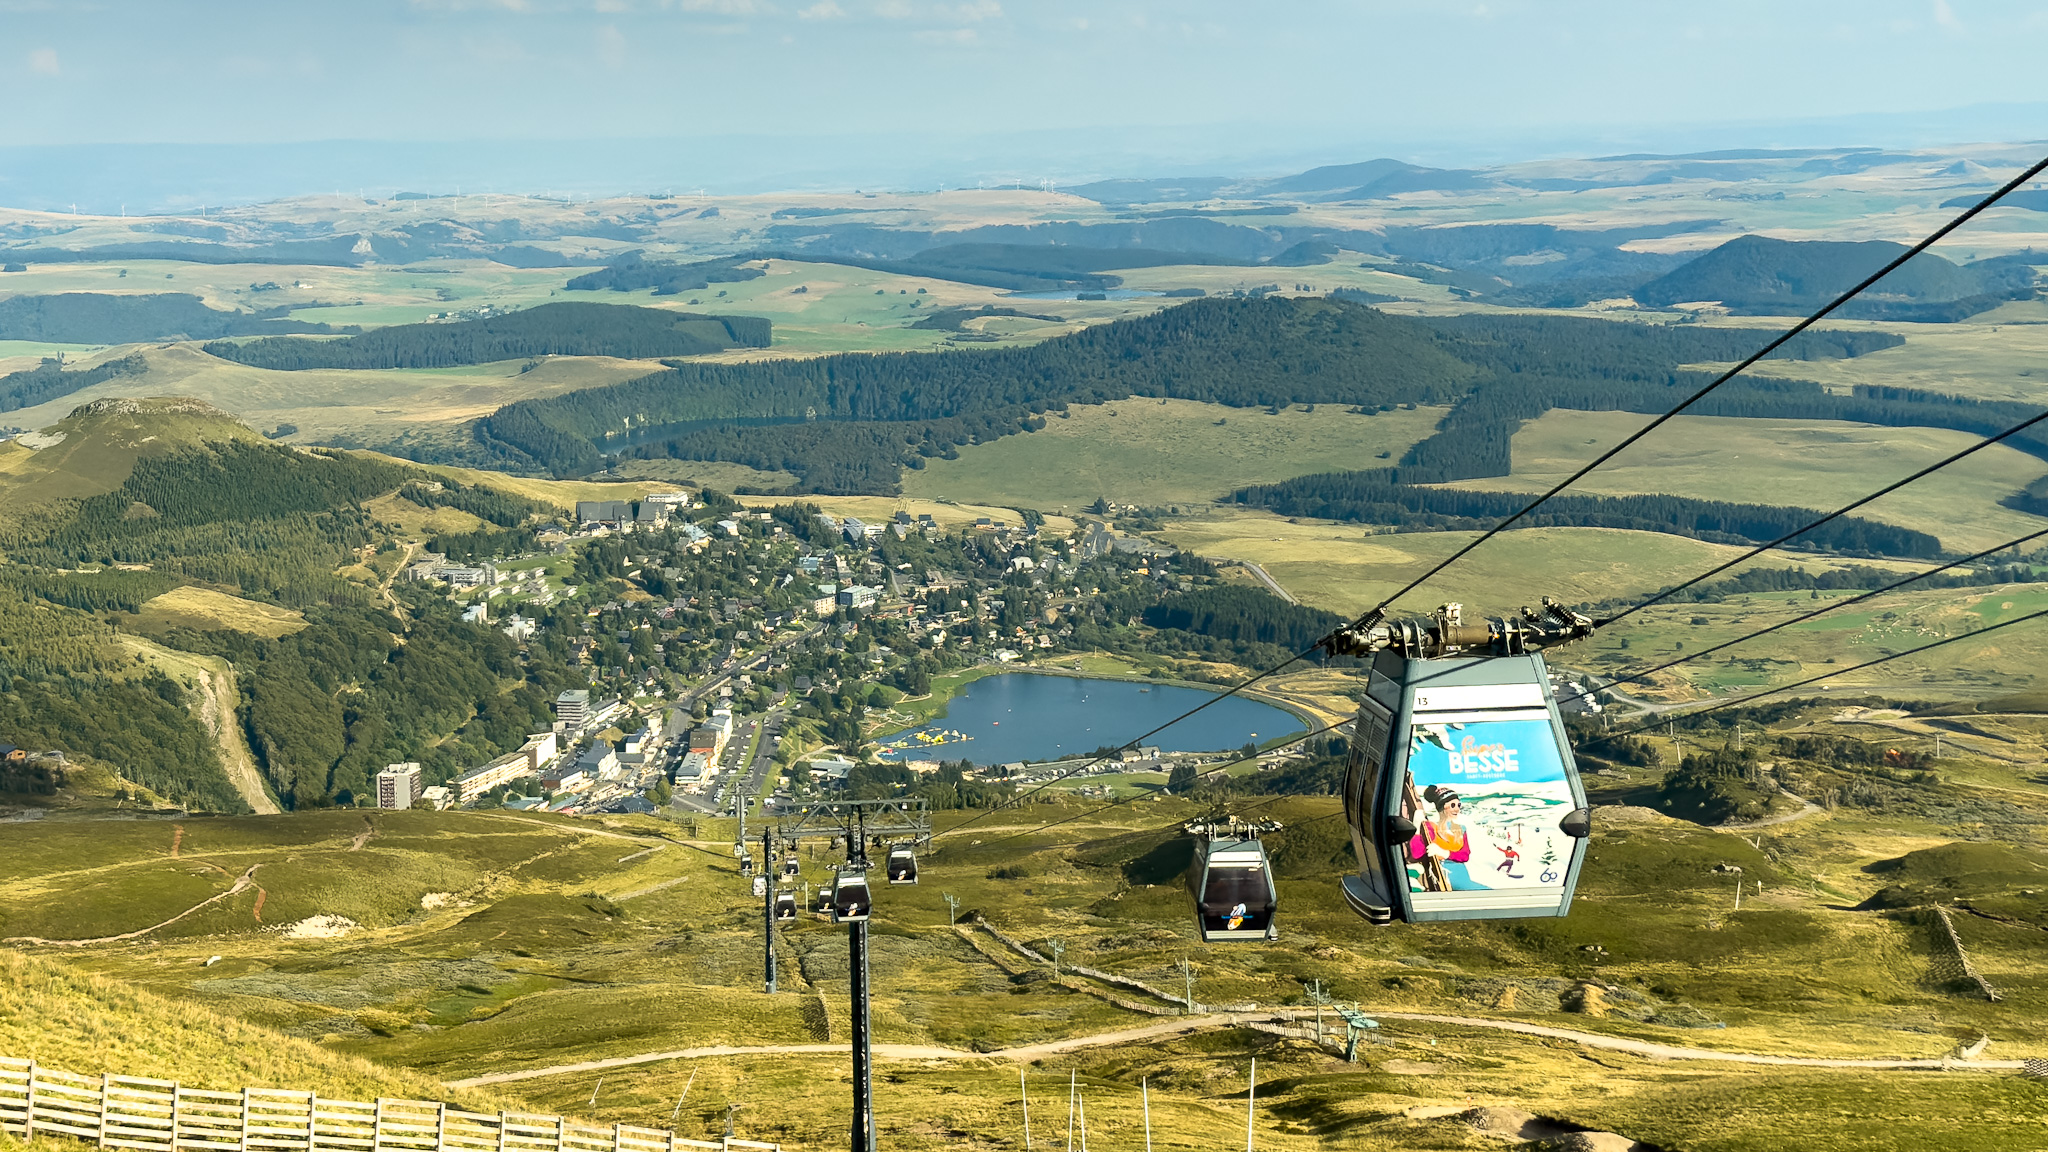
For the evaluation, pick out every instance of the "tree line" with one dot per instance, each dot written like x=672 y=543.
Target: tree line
x=48 y=380
x=1372 y=497
x=563 y=329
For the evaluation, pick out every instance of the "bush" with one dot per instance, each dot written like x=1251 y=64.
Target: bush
x=1010 y=872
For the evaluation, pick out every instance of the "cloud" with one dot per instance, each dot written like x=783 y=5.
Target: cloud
x=894 y=10
x=724 y=7
x=946 y=36
x=822 y=10
x=610 y=6
x=43 y=62
x=611 y=45
x=1945 y=15
x=976 y=10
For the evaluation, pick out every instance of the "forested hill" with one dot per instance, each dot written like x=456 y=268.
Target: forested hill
x=905 y=406
x=359 y=686
x=850 y=423
x=563 y=329
x=1759 y=275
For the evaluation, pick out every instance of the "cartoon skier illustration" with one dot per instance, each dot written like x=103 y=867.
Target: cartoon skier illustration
x=1237 y=916
x=1508 y=865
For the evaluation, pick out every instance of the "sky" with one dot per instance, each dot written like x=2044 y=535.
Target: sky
x=918 y=91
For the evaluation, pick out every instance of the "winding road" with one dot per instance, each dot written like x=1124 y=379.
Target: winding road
x=1186 y=1024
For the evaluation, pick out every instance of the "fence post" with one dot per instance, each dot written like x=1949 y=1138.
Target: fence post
x=441 y=1127
x=502 y=1114
x=242 y=1135
x=106 y=1079
x=561 y=1132
x=616 y=1147
x=28 y=1115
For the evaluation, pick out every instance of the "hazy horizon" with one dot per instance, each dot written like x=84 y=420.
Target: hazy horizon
x=154 y=107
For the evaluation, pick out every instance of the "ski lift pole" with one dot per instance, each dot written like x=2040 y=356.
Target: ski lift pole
x=857 y=970
x=1145 y=1094
x=1024 y=1094
x=768 y=911
x=1251 y=1093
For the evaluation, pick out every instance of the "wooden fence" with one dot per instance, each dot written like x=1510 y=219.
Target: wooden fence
x=164 y=1116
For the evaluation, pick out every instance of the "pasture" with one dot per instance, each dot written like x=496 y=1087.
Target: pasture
x=347 y=406
x=1162 y=452
x=1349 y=567
x=1820 y=464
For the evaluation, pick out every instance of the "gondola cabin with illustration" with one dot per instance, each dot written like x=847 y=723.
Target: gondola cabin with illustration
x=1462 y=796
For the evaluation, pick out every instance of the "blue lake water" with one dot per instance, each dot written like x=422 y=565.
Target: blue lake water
x=1030 y=716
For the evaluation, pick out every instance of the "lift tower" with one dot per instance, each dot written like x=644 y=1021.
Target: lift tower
x=857 y=823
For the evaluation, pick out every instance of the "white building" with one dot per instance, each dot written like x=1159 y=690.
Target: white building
x=572 y=708
x=398 y=785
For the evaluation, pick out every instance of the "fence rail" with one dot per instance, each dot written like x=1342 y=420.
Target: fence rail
x=130 y=1112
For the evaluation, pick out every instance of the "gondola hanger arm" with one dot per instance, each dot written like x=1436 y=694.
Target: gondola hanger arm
x=1445 y=633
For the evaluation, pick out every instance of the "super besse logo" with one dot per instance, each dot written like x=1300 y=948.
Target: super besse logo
x=1472 y=758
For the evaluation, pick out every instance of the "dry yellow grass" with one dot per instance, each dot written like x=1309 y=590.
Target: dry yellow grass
x=881 y=509
x=57 y=1015
x=205 y=609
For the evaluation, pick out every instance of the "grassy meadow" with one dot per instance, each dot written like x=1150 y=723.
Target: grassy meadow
x=1163 y=452
x=1818 y=464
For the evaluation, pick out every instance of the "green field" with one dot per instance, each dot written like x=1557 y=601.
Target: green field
x=1347 y=568
x=1812 y=463
x=364 y=406
x=1163 y=452
x=486 y=944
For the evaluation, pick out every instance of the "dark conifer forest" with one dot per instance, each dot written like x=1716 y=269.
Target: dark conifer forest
x=565 y=329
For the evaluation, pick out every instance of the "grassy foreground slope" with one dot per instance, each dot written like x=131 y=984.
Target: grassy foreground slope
x=63 y=1017
x=482 y=944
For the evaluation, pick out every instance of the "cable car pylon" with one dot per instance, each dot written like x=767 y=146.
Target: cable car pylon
x=1462 y=796
x=848 y=900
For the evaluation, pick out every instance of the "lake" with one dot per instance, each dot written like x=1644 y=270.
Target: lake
x=1030 y=716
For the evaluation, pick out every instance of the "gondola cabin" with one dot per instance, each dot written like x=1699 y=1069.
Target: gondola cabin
x=791 y=867
x=821 y=904
x=850 y=900
x=746 y=865
x=785 y=904
x=902 y=866
x=1461 y=794
x=1232 y=883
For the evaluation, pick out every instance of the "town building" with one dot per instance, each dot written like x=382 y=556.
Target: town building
x=566 y=778
x=611 y=513
x=438 y=795
x=505 y=769
x=599 y=761
x=398 y=785
x=572 y=708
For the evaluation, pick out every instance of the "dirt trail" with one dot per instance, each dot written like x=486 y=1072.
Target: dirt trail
x=241 y=884
x=217 y=696
x=1806 y=808
x=1184 y=1024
